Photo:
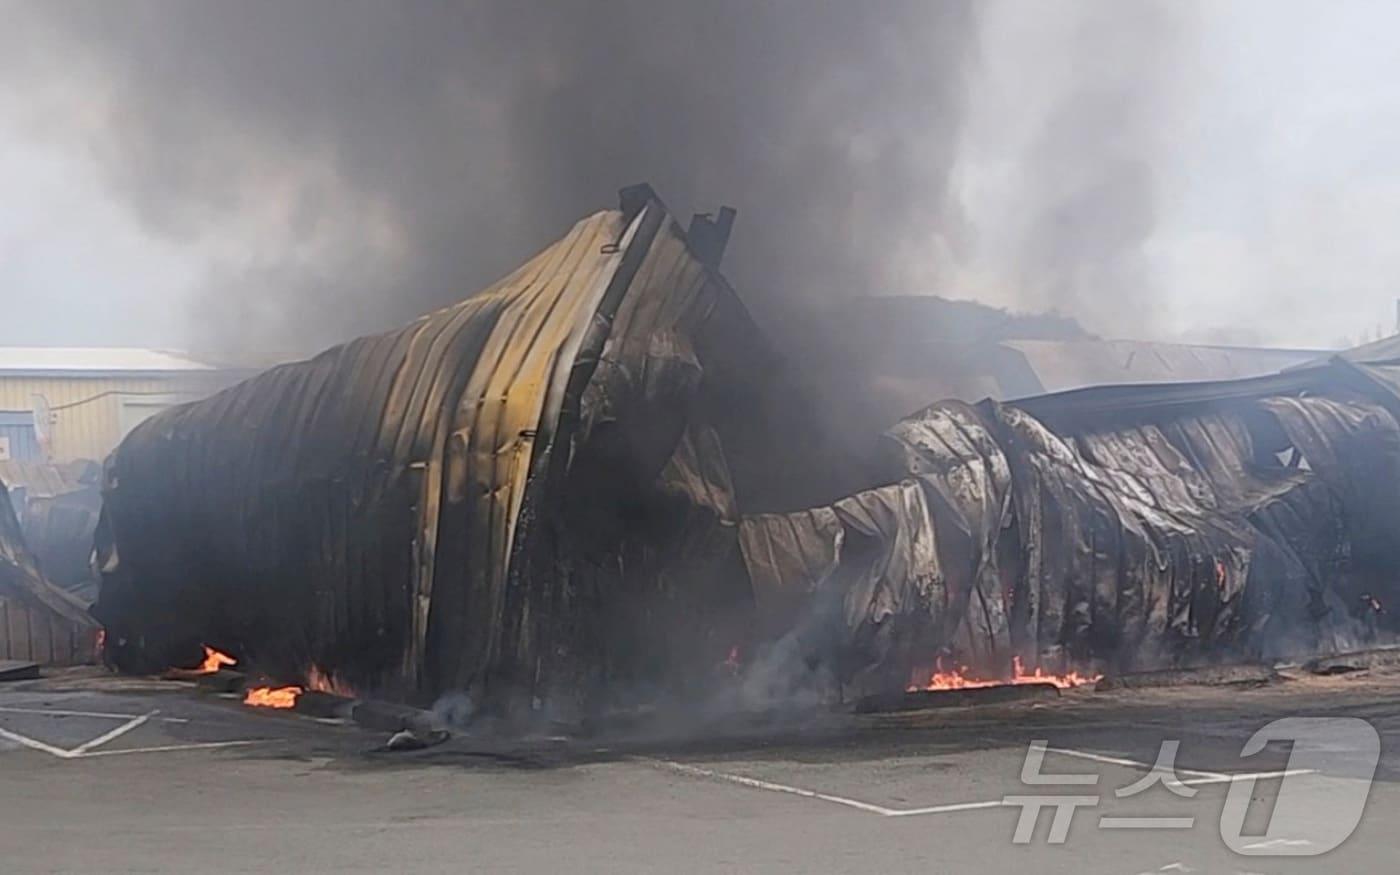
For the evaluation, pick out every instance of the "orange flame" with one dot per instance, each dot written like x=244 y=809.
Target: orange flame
x=269 y=697
x=214 y=660
x=958 y=679
x=325 y=682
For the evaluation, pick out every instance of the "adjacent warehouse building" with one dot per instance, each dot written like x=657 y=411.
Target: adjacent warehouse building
x=65 y=403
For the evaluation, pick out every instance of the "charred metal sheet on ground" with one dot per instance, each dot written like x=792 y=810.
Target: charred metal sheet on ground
x=1208 y=676
x=918 y=700
x=38 y=621
x=1358 y=660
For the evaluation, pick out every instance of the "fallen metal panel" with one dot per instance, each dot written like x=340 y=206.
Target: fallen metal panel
x=38 y=621
x=856 y=586
x=18 y=670
x=1233 y=521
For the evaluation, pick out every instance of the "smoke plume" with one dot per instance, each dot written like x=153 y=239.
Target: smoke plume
x=343 y=166
x=1090 y=173
x=1070 y=148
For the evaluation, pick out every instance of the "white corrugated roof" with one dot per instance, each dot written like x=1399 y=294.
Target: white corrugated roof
x=1061 y=365
x=49 y=359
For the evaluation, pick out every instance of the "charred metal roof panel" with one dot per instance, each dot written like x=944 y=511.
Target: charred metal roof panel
x=504 y=418
x=386 y=493
x=1077 y=409
x=343 y=455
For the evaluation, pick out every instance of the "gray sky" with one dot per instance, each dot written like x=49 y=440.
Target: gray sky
x=1213 y=172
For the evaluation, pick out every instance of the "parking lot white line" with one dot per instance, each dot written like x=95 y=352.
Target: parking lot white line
x=757 y=784
x=118 y=732
x=1119 y=761
x=871 y=808
x=867 y=807
x=947 y=809
x=89 y=748
x=35 y=744
x=57 y=712
x=168 y=748
x=1248 y=776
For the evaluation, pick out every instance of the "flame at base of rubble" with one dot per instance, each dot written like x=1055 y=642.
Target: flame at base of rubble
x=958 y=679
x=326 y=682
x=214 y=660
x=272 y=697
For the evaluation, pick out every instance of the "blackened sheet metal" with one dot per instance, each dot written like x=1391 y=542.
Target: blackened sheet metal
x=38 y=621
x=58 y=506
x=443 y=507
x=951 y=451
x=1078 y=409
x=1253 y=520
x=856 y=584
x=298 y=517
x=1237 y=530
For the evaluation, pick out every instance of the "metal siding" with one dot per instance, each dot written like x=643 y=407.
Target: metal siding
x=375 y=511
x=87 y=422
x=506 y=406
x=38 y=621
x=18 y=431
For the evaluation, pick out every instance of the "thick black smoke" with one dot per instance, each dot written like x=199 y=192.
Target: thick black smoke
x=348 y=165
x=1091 y=174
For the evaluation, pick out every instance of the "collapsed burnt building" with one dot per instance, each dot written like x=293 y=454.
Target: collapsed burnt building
x=519 y=496
x=1118 y=528
x=593 y=480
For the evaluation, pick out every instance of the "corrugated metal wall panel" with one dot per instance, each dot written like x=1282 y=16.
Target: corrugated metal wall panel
x=38 y=621
x=87 y=410
x=17 y=432
x=35 y=634
x=388 y=511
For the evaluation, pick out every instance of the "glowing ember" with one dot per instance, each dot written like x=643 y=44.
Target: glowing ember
x=214 y=660
x=958 y=679
x=272 y=697
x=325 y=682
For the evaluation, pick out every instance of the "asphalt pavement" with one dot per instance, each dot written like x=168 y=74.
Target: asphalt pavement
x=107 y=776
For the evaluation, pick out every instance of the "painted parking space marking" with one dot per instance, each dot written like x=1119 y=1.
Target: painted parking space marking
x=105 y=715
x=167 y=748
x=94 y=747
x=1201 y=778
x=112 y=734
x=1132 y=764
